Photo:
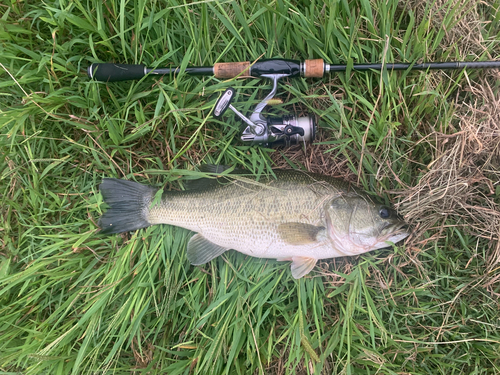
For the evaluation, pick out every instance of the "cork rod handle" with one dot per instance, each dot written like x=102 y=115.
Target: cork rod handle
x=314 y=68
x=230 y=70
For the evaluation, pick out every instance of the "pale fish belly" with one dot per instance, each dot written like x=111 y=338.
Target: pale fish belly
x=259 y=238
x=278 y=249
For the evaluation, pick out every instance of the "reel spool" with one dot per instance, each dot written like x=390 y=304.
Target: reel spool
x=273 y=131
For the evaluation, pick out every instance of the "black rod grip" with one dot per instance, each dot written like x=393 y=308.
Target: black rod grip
x=115 y=72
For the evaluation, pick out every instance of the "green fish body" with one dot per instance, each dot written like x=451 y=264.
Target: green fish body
x=297 y=216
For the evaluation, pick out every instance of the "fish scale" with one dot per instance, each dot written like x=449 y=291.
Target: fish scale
x=294 y=215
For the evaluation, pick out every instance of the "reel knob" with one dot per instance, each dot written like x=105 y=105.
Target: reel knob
x=224 y=102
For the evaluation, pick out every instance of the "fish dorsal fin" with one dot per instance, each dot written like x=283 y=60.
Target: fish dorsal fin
x=201 y=184
x=207 y=183
x=299 y=233
x=301 y=266
x=213 y=168
x=201 y=251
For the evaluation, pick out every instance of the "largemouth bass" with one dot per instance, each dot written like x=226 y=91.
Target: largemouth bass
x=297 y=216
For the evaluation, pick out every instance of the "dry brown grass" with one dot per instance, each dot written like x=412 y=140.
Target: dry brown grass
x=461 y=186
x=465 y=35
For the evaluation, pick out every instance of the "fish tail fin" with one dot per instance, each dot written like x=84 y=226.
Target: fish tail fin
x=128 y=203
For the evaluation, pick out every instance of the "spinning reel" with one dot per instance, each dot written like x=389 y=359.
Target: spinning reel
x=272 y=131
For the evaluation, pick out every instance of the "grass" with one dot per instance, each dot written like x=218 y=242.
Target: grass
x=73 y=301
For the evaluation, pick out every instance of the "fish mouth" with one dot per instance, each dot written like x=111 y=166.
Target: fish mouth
x=395 y=232
x=402 y=227
x=396 y=227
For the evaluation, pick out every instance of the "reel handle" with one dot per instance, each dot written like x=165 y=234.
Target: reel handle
x=223 y=103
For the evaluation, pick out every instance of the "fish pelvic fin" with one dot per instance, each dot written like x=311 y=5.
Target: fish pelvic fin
x=201 y=251
x=301 y=266
x=128 y=203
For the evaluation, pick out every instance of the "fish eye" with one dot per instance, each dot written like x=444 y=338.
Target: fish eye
x=384 y=213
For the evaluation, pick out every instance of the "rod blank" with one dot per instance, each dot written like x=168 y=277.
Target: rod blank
x=423 y=66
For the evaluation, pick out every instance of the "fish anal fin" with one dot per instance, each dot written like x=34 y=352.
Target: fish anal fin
x=301 y=266
x=299 y=233
x=201 y=251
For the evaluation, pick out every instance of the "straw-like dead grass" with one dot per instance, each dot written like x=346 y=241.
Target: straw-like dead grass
x=465 y=34
x=461 y=186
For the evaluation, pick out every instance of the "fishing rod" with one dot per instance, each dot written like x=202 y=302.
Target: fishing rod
x=288 y=129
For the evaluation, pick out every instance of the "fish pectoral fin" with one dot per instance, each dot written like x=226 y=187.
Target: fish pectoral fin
x=201 y=251
x=301 y=266
x=299 y=233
